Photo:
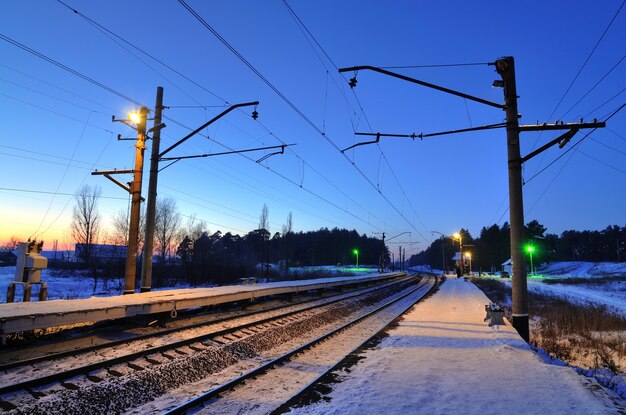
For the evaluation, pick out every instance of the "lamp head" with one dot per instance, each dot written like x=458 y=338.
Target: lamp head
x=134 y=117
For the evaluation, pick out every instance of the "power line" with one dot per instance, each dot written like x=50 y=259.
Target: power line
x=53 y=112
x=578 y=74
x=601 y=162
x=67 y=68
x=111 y=90
x=284 y=98
x=102 y=28
x=573 y=146
x=593 y=87
x=608 y=146
x=301 y=25
x=94 y=82
x=58 y=87
x=51 y=96
x=67 y=167
x=588 y=57
x=604 y=103
x=142 y=51
x=10 y=189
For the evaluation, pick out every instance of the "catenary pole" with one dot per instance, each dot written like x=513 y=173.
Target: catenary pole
x=135 y=190
x=148 y=247
x=506 y=68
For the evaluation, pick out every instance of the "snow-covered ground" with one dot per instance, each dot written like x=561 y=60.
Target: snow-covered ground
x=443 y=359
x=606 y=283
x=76 y=284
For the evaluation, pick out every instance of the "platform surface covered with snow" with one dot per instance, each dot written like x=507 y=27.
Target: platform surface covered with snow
x=18 y=317
x=443 y=358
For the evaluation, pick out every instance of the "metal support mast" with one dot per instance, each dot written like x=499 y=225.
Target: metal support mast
x=506 y=68
x=148 y=246
x=135 y=190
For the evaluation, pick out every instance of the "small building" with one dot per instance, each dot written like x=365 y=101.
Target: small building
x=507 y=266
x=457 y=259
x=102 y=252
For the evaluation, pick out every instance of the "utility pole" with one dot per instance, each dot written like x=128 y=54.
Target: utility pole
x=400 y=256
x=382 y=256
x=443 y=252
x=135 y=207
x=148 y=246
x=506 y=68
x=403 y=258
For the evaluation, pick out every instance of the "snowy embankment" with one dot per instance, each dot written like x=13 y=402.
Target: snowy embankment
x=600 y=283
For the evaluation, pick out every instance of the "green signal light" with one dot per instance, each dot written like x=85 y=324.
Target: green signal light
x=530 y=248
x=355 y=252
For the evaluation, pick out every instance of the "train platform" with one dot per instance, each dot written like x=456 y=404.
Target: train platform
x=23 y=317
x=443 y=358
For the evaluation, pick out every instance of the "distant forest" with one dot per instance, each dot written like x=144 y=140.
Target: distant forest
x=492 y=247
x=224 y=257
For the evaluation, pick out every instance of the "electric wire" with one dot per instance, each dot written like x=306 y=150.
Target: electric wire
x=601 y=161
x=580 y=71
x=51 y=96
x=111 y=90
x=12 y=189
x=592 y=88
x=53 y=112
x=79 y=186
x=58 y=87
x=144 y=52
x=67 y=68
x=617 y=150
x=604 y=103
x=162 y=63
x=301 y=25
x=588 y=58
x=574 y=145
x=286 y=100
x=67 y=167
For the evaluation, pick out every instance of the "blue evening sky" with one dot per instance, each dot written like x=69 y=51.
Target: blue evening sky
x=56 y=127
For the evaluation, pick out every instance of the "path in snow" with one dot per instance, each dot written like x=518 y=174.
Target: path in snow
x=442 y=359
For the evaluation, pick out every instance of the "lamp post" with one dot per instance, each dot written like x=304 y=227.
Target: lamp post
x=530 y=249
x=460 y=238
x=356 y=252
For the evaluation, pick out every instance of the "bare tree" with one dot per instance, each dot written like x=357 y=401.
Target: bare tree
x=166 y=227
x=121 y=222
x=264 y=222
x=288 y=227
x=86 y=221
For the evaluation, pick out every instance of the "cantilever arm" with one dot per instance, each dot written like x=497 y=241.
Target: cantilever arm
x=363 y=143
x=426 y=84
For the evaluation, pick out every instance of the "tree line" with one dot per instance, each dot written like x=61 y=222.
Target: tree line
x=492 y=247
x=189 y=251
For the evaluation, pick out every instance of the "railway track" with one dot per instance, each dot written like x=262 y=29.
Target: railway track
x=137 y=371
x=240 y=395
x=10 y=360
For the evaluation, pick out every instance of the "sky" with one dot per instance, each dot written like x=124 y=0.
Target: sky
x=57 y=126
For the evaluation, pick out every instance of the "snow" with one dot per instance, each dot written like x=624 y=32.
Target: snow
x=608 y=292
x=443 y=358
x=21 y=316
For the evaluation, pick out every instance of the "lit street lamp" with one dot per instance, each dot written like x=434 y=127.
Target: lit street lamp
x=530 y=249
x=356 y=252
